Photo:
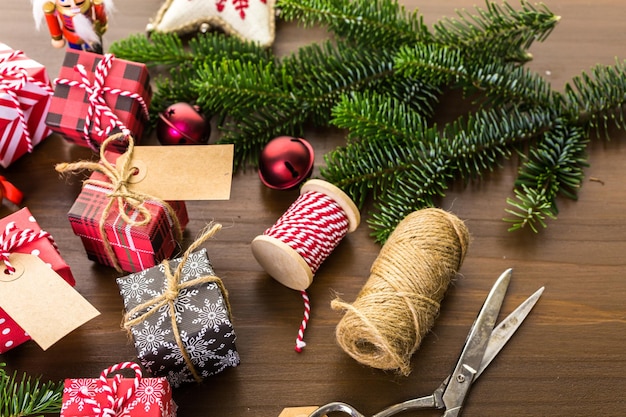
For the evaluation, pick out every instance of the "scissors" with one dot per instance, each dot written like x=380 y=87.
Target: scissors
x=482 y=345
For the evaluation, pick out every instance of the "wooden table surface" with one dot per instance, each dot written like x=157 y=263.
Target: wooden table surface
x=568 y=358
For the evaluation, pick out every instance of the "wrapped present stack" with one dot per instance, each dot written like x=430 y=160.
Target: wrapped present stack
x=96 y=96
x=188 y=337
x=25 y=96
x=22 y=234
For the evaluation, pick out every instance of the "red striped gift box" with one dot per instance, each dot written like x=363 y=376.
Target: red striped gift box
x=25 y=95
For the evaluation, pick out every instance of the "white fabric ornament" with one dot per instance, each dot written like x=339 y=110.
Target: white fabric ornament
x=249 y=20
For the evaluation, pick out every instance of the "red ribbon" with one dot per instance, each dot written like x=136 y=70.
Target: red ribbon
x=98 y=107
x=10 y=191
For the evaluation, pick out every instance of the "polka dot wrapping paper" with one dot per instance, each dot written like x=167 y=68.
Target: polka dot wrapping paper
x=11 y=334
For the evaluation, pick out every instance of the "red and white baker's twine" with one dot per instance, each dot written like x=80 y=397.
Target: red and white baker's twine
x=114 y=402
x=98 y=106
x=12 y=239
x=313 y=226
x=13 y=78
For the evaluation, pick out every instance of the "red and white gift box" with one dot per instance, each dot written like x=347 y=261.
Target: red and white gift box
x=96 y=96
x=118 y=396
x=22 y=234
x=25 y=94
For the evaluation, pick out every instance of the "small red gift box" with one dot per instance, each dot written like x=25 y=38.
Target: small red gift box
x=136 y=247
x=22 y=234
x=96 y=96
x=137 y=397
x=25 y=95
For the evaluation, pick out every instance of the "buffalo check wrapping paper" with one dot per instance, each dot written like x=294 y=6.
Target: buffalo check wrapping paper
x=11 y=334
x=136 y=397
x=123 y=87
x=202 y=317
x=136 y=247
x=24 y=103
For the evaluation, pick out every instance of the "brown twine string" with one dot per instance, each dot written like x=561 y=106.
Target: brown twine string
x=119 y=178
x=173 y=286
x=400 y=301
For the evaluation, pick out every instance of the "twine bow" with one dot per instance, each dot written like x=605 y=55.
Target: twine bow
x=114 y=403
x=10 y=241
x=118 y=183
x=173 y=287
x=98 y=106
x=14 y=78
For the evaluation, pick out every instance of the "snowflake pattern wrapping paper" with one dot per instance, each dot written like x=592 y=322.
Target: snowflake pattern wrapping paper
x=201 y=314
x=145 y=397
x=250 y=20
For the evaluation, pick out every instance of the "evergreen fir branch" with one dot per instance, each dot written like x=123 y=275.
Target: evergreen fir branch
x=499 y=31
x=497 y=82
x=554 y=167
x=169 y=49
x=599 y=98
x=406 y=170
x=28 y=396
x=375 y=23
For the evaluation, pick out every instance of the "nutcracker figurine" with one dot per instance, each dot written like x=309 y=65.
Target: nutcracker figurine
x=78 y=23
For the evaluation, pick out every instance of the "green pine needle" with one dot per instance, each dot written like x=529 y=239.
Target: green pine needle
x=28 y=396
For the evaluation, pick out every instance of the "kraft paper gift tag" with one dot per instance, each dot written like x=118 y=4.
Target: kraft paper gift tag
x=182 y=172
x=40 y=301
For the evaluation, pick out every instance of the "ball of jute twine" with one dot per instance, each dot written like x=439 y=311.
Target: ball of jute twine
x=400 y=301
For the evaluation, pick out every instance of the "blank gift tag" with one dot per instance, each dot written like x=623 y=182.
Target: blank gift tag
x=182 y=172
x=297 y=412
x=40 y=301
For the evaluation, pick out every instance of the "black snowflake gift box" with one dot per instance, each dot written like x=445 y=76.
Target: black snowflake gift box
x=179 y=317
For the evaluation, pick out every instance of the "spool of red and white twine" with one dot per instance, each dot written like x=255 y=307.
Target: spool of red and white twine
x=292 y=250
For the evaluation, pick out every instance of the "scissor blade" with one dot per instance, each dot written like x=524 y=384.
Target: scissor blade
x=476 y=344
x=507 y=327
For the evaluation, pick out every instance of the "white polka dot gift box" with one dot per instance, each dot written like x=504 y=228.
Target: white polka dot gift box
x=179 y=317
x=115 y=395
x=20 y=233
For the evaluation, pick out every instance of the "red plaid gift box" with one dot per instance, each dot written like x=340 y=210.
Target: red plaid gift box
x=118 y=396
x=25 y=94
x=22 y=234
x=136 y=247
x=96 y=96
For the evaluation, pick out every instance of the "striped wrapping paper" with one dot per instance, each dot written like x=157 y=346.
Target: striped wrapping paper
x=34 y=102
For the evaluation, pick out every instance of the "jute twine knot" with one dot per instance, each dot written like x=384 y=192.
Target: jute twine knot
x=119 y=177
x=400 y=301
x=173 y=287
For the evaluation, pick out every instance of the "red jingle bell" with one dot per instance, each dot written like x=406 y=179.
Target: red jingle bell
x=285 y=162
x=182 y=124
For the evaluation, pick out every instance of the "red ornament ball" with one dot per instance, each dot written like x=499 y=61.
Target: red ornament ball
x=182 y=124
x=285 y=162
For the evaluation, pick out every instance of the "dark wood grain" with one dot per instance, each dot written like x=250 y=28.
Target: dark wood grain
x=568 y=358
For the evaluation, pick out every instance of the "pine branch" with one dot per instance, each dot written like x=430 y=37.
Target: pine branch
x=500 y=31
x=599 y=98
x=27 y=396
x=554 y=167
x=403 y=169
x=375 y=23
x=498 y=82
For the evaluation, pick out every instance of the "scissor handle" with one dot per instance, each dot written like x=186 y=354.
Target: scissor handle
x=336 y=406
x=429 y=401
